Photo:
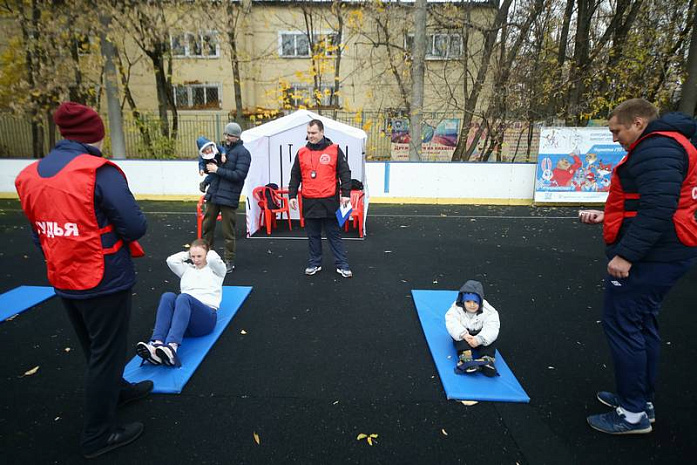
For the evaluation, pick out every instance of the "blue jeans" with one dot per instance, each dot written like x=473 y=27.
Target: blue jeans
x=182 y=315
x=630 y=322
x=313 y=227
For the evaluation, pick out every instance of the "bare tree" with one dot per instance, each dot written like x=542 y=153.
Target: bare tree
x=418 y=65
x=462 y=151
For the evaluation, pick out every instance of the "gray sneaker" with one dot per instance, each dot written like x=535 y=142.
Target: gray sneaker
x=310 y=270
x=229 y=266
x=344 y=273
x=611 y=400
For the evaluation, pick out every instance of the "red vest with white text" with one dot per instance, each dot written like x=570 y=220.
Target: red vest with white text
x=61 y=210
x=323 y=163
x=684 y=216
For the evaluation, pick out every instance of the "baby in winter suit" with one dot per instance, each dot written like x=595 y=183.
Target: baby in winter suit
x=208 y=152
x=474 y=326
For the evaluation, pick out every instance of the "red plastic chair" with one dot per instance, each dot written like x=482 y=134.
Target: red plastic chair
x=356 y=211
x=269 y=215
x=200 y=214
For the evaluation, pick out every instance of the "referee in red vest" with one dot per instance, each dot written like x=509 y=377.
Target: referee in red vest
x=324 y=173
x=85 y=220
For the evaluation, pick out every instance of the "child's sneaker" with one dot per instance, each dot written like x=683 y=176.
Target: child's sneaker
x=148 y=352
x=615 y=422
x=202 y=186
x=466 y=364
x=611 y=400
x=488 y=368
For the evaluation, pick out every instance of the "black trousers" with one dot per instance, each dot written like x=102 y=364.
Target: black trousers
x=477 y=352
x=101 y=325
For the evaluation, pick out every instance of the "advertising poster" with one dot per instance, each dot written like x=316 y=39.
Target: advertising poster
x=574 y=165
x=438 y=140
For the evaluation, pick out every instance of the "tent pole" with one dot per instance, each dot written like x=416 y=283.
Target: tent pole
x=280 y=160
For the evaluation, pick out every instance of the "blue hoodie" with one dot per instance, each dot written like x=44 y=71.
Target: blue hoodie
x=656 y=170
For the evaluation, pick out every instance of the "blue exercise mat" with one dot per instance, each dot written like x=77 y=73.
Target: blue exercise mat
x=431 y=307
x=22 y=298
x=171 y=380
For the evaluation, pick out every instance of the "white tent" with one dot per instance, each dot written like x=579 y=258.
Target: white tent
x=273 y=147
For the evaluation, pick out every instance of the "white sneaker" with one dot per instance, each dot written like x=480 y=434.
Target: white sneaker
x=344 y=273
x=310 y=270
x=148 y=352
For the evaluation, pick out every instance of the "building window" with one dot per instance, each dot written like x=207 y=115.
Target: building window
x=199 y=45
x=303 y=95
x=296 y=44
x=439 y=46
x=197 y=97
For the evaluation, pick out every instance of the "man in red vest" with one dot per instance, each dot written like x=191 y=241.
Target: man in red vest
x=86 y=222
x=650 y=231
x=320 y=166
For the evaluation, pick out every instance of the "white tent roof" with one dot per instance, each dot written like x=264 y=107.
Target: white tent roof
x=299 y=118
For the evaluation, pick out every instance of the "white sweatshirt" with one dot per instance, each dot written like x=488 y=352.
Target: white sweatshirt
x=204 y=284
x=458 y=320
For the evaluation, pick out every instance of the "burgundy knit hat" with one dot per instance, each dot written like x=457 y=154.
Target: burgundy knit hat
x=79 y=123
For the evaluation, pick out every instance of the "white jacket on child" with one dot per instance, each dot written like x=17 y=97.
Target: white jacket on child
x=458 y=320
x=204 y=284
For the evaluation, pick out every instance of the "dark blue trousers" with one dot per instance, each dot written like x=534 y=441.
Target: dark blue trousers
x=313 y=228
x=630 y=321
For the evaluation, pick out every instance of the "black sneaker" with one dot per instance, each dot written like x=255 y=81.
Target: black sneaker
x=123 y=435
x=202 y=187
x=135 y=391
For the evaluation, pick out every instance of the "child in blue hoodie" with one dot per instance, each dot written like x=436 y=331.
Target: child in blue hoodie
x=208 y=152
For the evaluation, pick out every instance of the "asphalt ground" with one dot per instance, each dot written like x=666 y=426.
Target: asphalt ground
x=309 y=363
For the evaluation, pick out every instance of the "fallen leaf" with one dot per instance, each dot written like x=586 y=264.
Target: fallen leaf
x=370 y=441
x=32 y=371
x=186 y=246
x=12 y=317
x=388 y=251
x=243 y=332
x=67 y=349
x=361 y=436
x=550 y=367
x=335 y=402
x=256 y=439
x=57 y=418
x=445 y=433
x=469 y=402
